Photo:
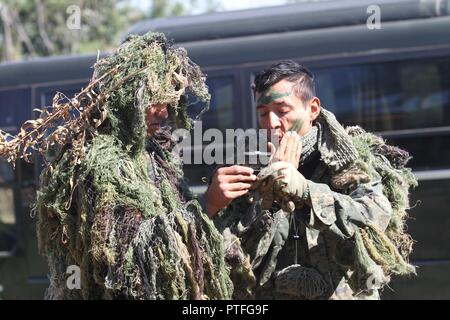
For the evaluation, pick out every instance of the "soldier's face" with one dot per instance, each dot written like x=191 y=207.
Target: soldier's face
x=279 y=108
x=155 y=115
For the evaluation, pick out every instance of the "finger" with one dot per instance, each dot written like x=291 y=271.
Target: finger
x=292 y=144
x=294 y=151
x=236 y=170
x=271 y=171
x=298 y=153
x=238 y=186
x=236 y=194
x=271 y=148
x=282 y=148
x=293 y=147
x=240 y=178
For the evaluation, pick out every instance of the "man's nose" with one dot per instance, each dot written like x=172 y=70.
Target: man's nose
x=163 y=114
x=273 y=121
x=160 y=112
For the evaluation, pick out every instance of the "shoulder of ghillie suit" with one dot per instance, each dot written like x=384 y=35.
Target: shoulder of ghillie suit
x=376 y=158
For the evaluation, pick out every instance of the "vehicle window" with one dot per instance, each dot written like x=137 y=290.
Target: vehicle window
x=15 y=108
x=220 y=116
x=429 y=152
x=6 y=173
x=7 y=212
x=388 y=96
x=392 y=96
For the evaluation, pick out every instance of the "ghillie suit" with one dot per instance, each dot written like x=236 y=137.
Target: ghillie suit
x=113 y=203
x=342 y=236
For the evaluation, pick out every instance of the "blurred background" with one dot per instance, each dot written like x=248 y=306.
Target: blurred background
x=34 y=28
x=384 y=66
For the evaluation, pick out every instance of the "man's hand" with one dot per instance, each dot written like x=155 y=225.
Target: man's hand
x=281 y=182
x=227 y=184
x=289 y=150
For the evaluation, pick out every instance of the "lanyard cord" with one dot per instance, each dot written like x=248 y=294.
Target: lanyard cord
x=295 y=236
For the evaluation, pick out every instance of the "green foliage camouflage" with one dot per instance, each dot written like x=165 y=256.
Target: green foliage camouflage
x=389 y=249
x=97 y=207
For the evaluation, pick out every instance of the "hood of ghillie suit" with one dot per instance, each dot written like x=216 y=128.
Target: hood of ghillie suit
x=131 y=236
x=147 y=70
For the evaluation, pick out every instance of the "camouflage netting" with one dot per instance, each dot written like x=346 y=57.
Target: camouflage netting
x=390 y=249
x=97 y=207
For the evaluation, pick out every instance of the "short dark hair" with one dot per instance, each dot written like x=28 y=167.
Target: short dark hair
x=290 y=71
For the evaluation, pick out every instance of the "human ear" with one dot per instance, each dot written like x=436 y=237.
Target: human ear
x=314 y=105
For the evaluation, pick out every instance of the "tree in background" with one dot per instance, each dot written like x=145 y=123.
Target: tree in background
x=42 y=27
x=31 y=28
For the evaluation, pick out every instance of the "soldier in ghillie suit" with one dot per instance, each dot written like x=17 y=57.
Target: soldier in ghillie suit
x=325 y=219
x=112 y=200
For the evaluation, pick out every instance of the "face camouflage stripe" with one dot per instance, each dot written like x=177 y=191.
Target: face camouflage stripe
x=269 y=96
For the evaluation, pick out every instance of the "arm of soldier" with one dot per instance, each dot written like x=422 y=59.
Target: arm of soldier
x=227 y=184
x=365 y=205
x=354 y=226
x=343 y=213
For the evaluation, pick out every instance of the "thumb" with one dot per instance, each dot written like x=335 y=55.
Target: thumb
x=272 y=150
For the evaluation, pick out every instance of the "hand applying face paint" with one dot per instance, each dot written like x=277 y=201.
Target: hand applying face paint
x=290 y=147
x=289 y=150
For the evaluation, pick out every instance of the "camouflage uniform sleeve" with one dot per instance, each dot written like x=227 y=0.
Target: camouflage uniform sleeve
x=343 y=213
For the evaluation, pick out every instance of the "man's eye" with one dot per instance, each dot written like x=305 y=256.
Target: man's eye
x=264 y=114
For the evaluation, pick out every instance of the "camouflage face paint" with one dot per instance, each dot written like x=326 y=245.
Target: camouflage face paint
x=269 y=96
x=298 y=125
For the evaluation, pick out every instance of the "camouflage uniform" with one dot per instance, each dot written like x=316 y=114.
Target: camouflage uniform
x=311 y=253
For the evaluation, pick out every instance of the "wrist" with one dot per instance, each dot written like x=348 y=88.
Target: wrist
x=210 y=207
x=212 y=210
